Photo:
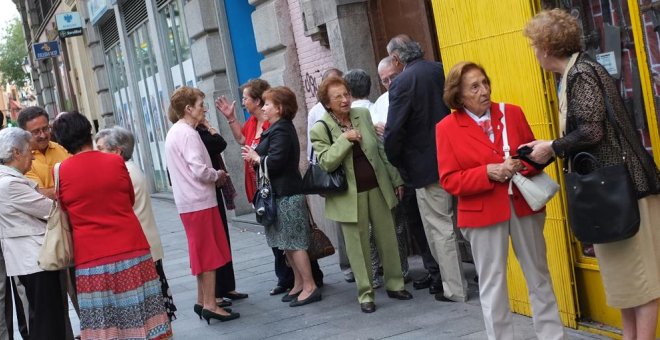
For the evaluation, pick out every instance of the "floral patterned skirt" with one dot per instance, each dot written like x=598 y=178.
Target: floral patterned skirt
x=291 y=229
x=122 y=300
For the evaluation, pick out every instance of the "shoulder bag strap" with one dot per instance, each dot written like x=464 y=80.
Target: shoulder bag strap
x=611 y=118
x=56 y=173
x=327 y=129
x=505 y=142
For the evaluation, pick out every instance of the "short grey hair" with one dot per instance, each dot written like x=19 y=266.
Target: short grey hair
x=359 y=83
x=13 y=138
x=405 y=48
x=118 y=138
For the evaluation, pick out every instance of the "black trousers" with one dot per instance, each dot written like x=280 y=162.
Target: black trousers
x=46 y=315
x=225 y=281
x=285 y=277
x=416 y=227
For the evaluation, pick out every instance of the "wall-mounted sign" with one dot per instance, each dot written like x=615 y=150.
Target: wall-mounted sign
x=69 y=24
x=608 y=61
x=97 y=8
x=45 y=50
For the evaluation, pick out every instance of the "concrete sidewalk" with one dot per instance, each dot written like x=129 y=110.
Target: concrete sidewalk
x=338 y=316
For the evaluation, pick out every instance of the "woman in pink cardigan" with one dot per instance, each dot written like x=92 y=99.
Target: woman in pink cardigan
x=193 y=182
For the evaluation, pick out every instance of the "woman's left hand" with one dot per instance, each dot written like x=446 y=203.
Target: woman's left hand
x=249 y=155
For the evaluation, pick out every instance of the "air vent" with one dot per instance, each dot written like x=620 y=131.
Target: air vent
x=109 y=33
x=135 y=13
x=161 y=3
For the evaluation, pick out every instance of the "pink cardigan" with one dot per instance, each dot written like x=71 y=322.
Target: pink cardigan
x=193 y=177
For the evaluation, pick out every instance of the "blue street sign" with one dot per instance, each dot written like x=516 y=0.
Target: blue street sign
x=45 y=50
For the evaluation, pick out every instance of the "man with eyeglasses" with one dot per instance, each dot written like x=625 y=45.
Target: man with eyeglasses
x=388 y=69
x=46 y=154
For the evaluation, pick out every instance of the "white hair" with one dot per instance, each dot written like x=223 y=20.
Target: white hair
x=11 y=139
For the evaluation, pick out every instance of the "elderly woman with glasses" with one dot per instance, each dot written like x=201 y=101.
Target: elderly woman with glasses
x=120 y=141
x=23 y=211
x=474 y=167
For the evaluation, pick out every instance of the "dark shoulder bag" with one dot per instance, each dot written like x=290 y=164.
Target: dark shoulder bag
x=602 y=201
x=264 y=203
x=318 y=181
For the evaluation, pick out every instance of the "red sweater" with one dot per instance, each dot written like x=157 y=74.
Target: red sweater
x=97 y=193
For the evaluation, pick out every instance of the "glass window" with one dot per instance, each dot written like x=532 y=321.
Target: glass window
x=178 y=45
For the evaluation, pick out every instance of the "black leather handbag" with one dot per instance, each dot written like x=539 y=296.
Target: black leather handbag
x=264 y=203
x=602 y=201
x=318 y=181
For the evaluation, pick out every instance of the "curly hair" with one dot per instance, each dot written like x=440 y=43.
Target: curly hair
x=256 y=89
x=283 y=97
x=452 y=91
x=181 y=98
x=555 y=32
x=322 y=94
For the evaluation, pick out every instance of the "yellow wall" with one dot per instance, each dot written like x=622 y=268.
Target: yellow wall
x=490 y=33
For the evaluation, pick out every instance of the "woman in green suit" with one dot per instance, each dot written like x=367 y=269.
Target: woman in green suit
x=372 y=182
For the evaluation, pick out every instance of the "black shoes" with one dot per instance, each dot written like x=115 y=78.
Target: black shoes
x=368 y=307
x=277 y=290
x=399 y=295
x=314 y=297
x=208 y=315
x=441 y=297
x=348 y=276
x=235 y=296
x=197 y=308
x=423 y=283
x=290 y=297
x=435 y=287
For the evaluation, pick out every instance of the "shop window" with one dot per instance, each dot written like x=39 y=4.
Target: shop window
x=177 y=44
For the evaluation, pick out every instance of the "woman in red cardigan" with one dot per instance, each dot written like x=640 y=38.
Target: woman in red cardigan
x=117 y=285
x=473 y=166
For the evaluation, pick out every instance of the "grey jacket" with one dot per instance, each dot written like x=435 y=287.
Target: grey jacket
x=23 y=210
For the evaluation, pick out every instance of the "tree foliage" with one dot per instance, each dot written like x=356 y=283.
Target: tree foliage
x=12 y=54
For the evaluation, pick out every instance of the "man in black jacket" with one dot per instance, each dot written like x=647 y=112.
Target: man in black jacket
x=416 y=106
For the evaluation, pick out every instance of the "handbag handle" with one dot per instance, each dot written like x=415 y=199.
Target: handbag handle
x=584 y=162
x=263 y=170
x=327 y=128
x=56 y=173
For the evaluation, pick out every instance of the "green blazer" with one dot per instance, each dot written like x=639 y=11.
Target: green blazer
x=342 y=207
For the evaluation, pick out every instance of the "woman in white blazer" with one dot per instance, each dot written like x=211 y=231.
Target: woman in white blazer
x=23 y=214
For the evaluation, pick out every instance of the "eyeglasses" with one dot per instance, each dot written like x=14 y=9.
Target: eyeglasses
x=205 y=106
x=388 y=80
x=38 y=132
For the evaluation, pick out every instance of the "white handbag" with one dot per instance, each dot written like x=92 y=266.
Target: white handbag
x=536 y=190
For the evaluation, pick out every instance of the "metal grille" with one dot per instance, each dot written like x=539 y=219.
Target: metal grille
x=161 y=3
x=109 y=33
x=134 y=12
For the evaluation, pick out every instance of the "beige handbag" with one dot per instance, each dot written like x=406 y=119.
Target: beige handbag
x=57 y=250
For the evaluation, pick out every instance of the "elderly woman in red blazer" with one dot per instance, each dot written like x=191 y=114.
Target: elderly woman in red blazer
x=474 y=168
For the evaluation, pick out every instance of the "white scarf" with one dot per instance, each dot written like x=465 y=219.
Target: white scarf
x=563 y=102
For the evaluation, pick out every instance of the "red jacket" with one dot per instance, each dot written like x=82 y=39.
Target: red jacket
x=97 y=192
x=464 y=150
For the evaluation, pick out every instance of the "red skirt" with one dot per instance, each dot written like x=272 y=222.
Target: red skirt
x=207 y=242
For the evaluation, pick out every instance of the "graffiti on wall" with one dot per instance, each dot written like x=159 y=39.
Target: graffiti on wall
x=310 y=82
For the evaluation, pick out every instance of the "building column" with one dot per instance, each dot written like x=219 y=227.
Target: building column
x=280 y=67
x=206 y=25
x=104 y=97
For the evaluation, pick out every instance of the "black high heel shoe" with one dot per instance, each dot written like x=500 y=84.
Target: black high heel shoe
x=197 y=308
x=236 y=296
x=208 y=315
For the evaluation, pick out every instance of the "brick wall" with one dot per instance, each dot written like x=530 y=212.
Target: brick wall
x=314 y=59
